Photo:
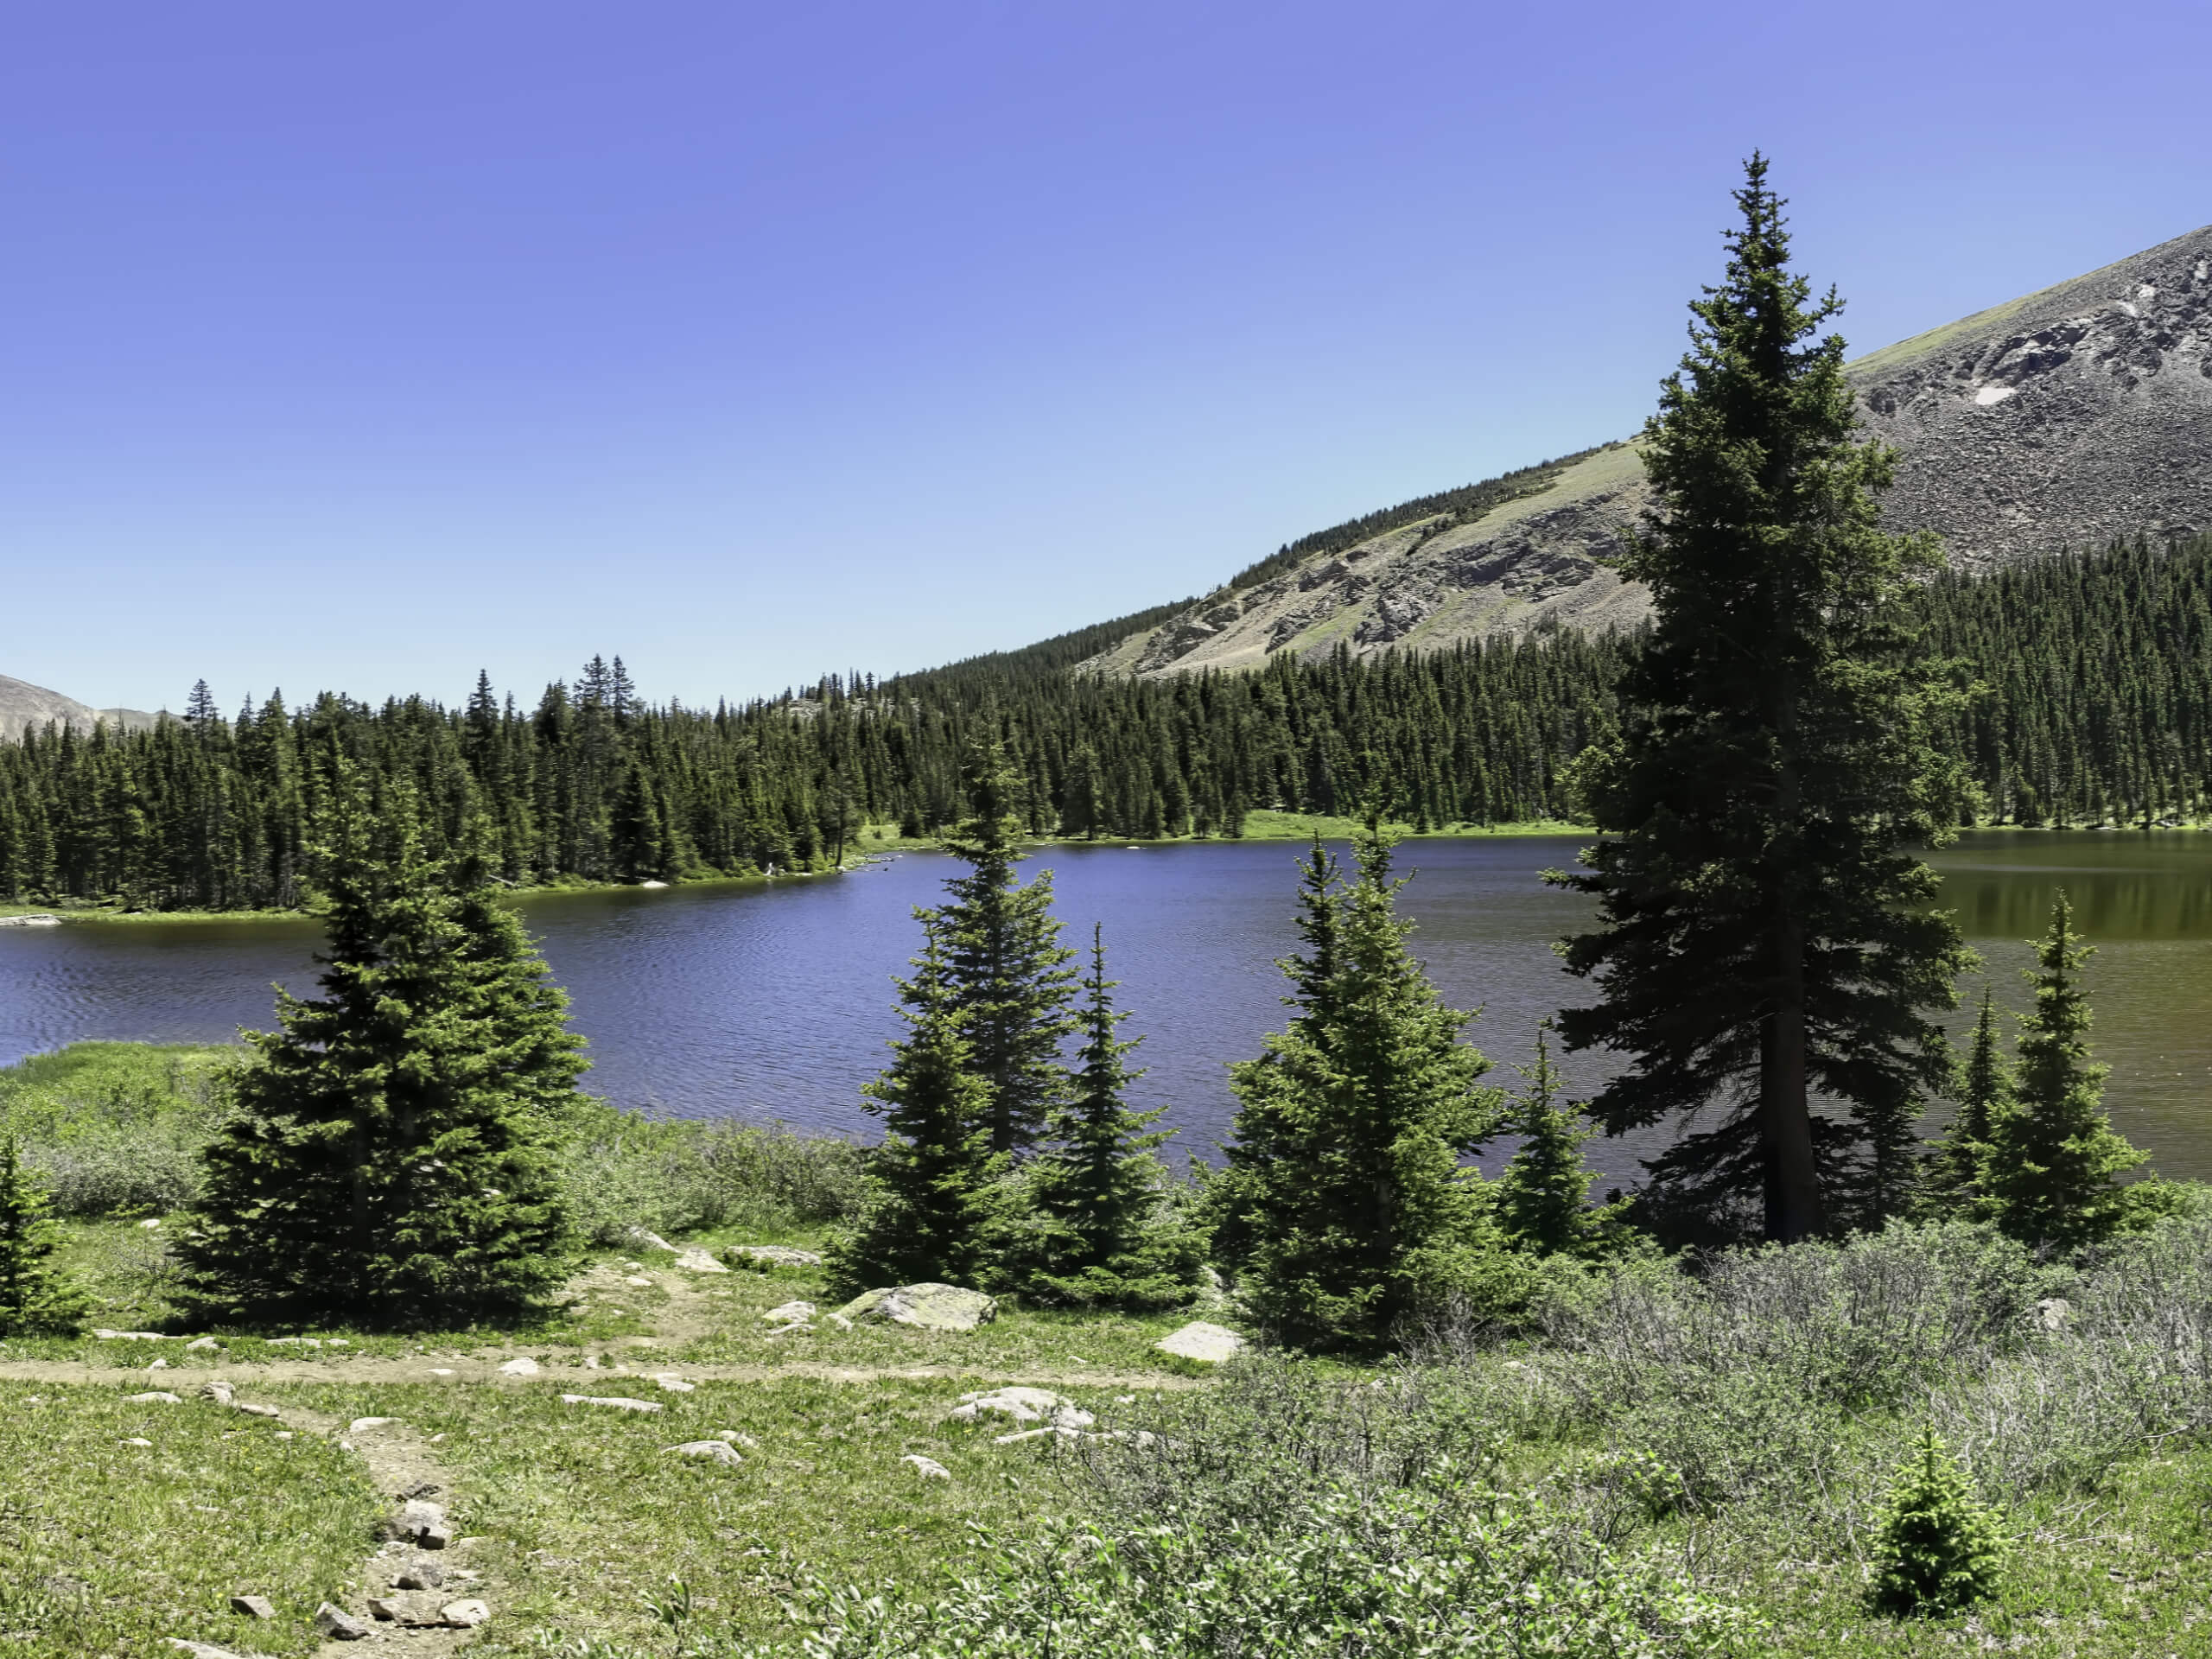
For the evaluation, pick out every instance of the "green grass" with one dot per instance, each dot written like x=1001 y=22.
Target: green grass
x=108 y=1548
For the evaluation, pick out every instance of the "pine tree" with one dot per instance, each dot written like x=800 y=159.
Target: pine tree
x=934 y=1200
x=1936 y=1548
x=1543 y=1192
x=1763 y=932
x=388 y=1160
x=2054 y=1159
x=1957 y=1163
x=36 y=1298
x=1098 y=1227
x=1346 y=1202
x=1007 y=970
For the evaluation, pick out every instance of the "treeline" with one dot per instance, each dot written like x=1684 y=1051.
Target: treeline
x=2099 y=708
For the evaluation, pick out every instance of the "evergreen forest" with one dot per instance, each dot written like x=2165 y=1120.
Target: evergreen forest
x=2093 y=704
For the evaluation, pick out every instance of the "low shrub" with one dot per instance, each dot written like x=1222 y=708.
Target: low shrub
x=625 y=1170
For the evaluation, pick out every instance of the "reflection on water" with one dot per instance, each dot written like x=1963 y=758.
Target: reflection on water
x=775 y=1001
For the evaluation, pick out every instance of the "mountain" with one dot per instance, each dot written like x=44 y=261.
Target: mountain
x=24 y=707
x=2062 y=420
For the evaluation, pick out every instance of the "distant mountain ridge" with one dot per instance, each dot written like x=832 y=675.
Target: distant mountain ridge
x=25 y=707
x=2062 y=419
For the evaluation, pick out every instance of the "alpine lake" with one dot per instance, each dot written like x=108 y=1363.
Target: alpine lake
x=773 y=1000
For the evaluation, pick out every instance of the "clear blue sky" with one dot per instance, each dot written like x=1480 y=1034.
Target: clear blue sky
x=362 y=346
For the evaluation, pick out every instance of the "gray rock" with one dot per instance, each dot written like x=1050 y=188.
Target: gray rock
x=360 y=1424
x=336 y=1625
x=522 y=1366
x=790 y=1312
x=649 y=1240
x=924 y=1307
x=714 y=1450
x=218 y=1391
x=669 y=1382
x=1054 y=1434
x=202 y=1345
x=464 y=1615
x=253 y=1606
x=927 y=1468
x=206 y=1650
x=133 y=1336
x=1023 y=1405
x=2054 y=1312
x=421 y=1522
x=256 y=1411
x=1209 y=1344
x=419 y=1575
x=611 y=1401
x=156 y=1398
x=137 y=1440
x=699 y=1261
x=774 y=1256
x=294 y=1342
x=413 y=1609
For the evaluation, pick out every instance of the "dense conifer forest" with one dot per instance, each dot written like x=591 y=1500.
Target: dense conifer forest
x=2098 y=707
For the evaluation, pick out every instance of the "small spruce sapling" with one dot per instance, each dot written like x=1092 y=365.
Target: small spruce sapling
x=1543 y=1193
x=1937 y=1548
x=36 y=1298
x=1101 y=1228
x=2054 y=1159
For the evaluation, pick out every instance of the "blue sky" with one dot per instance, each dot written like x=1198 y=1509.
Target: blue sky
x=362 y=346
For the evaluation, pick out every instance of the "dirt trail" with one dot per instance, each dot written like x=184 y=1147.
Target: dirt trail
x=559 y=1365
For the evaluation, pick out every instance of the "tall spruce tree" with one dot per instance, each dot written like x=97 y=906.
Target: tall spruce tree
x=1099 y=1227
x=37 y=1298
x=1764 y=934
x=390 y=1156
x=1957 y=1164
x=1009 y=974
x=935 y=1187
x=1347 y=1201
x=2054 y=1161
x=1543 y=1192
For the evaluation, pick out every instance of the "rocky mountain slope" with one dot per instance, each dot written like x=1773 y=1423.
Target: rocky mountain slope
x=2062 y=419
x=24 y=707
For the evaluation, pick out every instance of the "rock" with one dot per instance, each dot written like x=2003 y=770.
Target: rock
x=669 y=1382
x=218 y=1391
x=294 y=1342
x=136 y=1440
x=203 y=1649
x=1023 y=1405
x=1058 y=1433
x=790 y=1312
x=715 y=1451
x=464 y=1615
x=2053 y=1312
x=736 y=1438
x=44 y=921
x=924 y=1307
x=202 y=1345
x=638 y=1281
x=611 y=1401
x=133 y=1336
x=927 y=1468
x=253 y=1606
x=699 y=1261
x=1208 y=1344
x=650 y=1240
x=155 y=1223
x=336 y=1625
x=419 y=1575
x=159 y=1365
x=255 y=1411
x=157 y=1397
x=524 y=1366
x=773 y=1255
x=361 y=1423
x=447 y=1370
x=421 y=1522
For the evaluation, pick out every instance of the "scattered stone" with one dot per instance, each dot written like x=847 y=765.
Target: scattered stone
x=1024 y=1406
x=421 y=1523
x=294 y=1342
x=699 y=1261
x=464 y=1615
x=361 y=1423
x=790 y=1312
x=202 y=1650
x=336 y=1625
x=337 y=1341
x=925 y=1307
x=156 y=1223
x=135 y=1440
x=613 y=1402
x=203 y=1345
x=419 y=1575
x=159 y=1365
x=1056 y=1432
x=671 y=1383
x=253 y=1606
x=285 y=1434
x=773 y=1255
x=218 y=1391
x=255 y=1411
x=447 y=1370
x=133 y=1336
x=524 y=1366
x=421 y=1489
x=157 y=1397
x=1209 y=1345
x=927 y=1468
x=2053 y=1312
x=639 y=1280
x=715 y=1451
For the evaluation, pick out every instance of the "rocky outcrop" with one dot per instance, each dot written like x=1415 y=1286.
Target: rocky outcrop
x=2062 y=420
x=25 y=707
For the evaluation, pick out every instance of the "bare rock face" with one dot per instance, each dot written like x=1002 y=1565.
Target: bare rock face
x=2059 y=421
x=925 y=1307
